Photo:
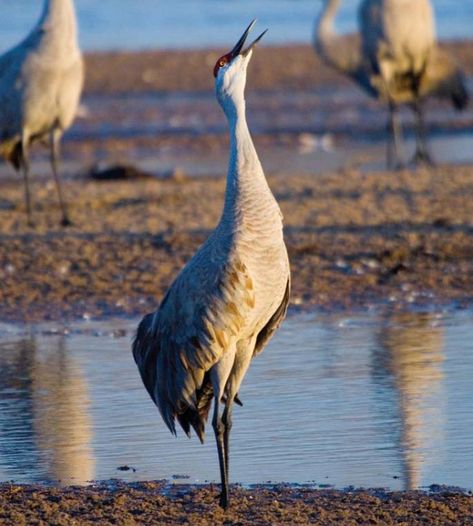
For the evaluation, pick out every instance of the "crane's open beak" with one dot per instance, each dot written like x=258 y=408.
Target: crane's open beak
x=237 y=50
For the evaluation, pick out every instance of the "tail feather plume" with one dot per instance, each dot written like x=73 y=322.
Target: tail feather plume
x=460 y=96
x=12 y=152
x=444 y=79
x=197 y=417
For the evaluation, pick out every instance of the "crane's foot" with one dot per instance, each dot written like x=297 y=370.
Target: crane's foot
x=236 y=399
x=422 y=158
x=65 y=222
x=224 y=501
x=395 y=162
x=397 y=166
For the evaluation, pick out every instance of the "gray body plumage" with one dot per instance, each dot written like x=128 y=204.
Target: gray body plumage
x=399 y=45
x=219 y=313
x=228 y=300
x=394 y=57
x=41 y=81
x=397 y=35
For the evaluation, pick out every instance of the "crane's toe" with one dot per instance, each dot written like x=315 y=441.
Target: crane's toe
x=236 y=399
x=224 y=501
x=422 y=158
x=65 y=222
x=397 y=165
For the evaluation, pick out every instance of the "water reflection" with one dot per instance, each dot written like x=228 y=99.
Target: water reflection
x=48 y=414
x=335 y=399
x=62 y=423
x=409 y=359
x=16 y=422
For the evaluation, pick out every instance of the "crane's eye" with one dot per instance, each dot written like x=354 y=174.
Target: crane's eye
x=221 y=62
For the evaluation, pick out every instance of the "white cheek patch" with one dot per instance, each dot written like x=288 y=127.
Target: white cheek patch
x=227 y=78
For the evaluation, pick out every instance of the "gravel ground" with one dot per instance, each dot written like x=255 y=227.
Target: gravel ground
x=148 y=504
x=354 y=239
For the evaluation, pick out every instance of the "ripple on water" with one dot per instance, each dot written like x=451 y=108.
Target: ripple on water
x=362 y=400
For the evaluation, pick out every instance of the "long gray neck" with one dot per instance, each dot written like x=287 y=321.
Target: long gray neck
x=58 y=27
x=325 y=36
x=248 y=197
x=326 y=20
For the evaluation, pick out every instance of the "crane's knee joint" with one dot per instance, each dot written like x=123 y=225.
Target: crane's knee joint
x=219 y=427
x=227 y=421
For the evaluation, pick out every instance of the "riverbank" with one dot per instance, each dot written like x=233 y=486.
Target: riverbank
x=357 y=235
x=154 y=503
x=355 y=239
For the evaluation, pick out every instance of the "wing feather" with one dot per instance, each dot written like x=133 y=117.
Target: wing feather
x=199 y=319
x=275 y=321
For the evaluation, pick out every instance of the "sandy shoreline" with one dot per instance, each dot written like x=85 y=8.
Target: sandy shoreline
x=153 y=503
x=355 y=239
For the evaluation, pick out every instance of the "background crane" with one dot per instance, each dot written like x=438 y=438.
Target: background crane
x=394 y=58
x=229 y=299
x=40 y=85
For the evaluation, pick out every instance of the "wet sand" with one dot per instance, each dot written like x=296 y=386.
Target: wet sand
x=161 y=103
x=355 y=239
x=156 y=504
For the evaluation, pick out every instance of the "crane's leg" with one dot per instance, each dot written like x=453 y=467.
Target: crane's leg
x=395 y=156
x=422 y=154
x=227 y=422
x=25 y=165
x=219 y=429
x=55 y=137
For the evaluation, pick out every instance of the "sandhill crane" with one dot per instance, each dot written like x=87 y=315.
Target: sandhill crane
x=40 y=85
x=394 y=58
x=231 y=296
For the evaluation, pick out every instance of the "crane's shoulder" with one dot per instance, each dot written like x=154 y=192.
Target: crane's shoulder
x=24 y=68
x=199 y=319
x=201 y=315
x=14 y=59
x=214 y=296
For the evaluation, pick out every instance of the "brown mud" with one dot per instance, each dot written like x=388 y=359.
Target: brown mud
x=286 y=67
x=148 y=504
x=354 y=239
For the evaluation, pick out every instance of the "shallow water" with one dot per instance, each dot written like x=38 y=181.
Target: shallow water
x=321 y=130
x=202 y=23
x=367 y=400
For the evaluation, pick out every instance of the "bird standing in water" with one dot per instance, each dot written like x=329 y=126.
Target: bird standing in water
x=231 y=296
x=41 y=82
x=395 y=58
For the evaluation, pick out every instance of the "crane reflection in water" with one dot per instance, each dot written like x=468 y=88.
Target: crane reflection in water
x=408 y=360
x=45 y=406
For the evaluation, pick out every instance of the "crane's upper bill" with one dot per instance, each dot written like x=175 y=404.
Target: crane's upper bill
x=237 y=50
